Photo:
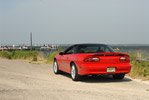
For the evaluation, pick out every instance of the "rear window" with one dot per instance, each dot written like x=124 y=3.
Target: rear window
x=94 y=49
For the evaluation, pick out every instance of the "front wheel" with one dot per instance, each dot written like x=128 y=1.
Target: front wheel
x=74 y=73
x=119 y=76
x=56 y=68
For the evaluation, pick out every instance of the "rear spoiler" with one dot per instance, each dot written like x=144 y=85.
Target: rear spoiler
x=111 y=54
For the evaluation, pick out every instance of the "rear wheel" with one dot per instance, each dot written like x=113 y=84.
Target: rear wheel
x=56 y=68
x=74 y=73
x=119 y=76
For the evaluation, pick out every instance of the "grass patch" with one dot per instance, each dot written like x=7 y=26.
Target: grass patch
x=24 y=55
x=50 y=57
x=32 y=56
x=5 y=54
x=140 y=69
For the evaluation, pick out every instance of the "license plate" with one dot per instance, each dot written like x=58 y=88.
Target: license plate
x=111 y=69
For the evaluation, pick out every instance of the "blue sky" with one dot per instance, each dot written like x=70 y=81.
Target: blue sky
x=74 y=21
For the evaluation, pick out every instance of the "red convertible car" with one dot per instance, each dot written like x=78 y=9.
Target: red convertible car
x=91 y=59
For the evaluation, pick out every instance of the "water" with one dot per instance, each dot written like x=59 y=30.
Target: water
x=132 y=49
x=47 y=52
x=122 y=49
x=127 y=48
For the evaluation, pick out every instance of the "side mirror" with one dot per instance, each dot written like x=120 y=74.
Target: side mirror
x=61 y=53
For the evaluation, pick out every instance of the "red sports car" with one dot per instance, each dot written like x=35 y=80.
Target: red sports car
x=90 y=59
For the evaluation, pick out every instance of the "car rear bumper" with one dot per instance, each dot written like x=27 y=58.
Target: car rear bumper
x=88 y=69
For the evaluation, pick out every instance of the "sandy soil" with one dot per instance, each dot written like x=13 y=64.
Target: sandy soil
x=20 y=80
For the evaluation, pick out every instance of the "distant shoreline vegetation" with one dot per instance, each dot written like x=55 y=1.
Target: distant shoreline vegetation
x=30 y=55
x=24 y=55
x=124 y=48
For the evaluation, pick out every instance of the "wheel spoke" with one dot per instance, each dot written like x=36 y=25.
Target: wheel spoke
x=55 y=67
x=73 y=72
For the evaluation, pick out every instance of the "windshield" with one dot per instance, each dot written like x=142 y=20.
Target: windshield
x=94 y=49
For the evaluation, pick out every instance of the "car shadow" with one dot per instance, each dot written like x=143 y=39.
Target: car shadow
x=98 y=78
x=103 y=79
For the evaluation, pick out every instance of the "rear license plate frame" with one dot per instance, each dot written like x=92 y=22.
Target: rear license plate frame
x=111 y=69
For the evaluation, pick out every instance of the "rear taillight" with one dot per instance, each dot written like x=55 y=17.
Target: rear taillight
x=92 y=59
x=125 y=59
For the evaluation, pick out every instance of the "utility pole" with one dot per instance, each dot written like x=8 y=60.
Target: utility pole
x=31 y=41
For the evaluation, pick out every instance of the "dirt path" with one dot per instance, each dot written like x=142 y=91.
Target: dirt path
x=21 y=80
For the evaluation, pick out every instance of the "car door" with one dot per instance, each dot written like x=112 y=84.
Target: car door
x=66 y=58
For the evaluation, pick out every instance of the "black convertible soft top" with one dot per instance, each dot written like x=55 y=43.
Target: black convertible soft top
x=88 y=44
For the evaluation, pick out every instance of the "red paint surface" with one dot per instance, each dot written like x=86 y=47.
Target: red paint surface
x=110 y=59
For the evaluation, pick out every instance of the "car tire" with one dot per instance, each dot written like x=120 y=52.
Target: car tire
x=56 y=68
x=74 y=73
x=119 y=76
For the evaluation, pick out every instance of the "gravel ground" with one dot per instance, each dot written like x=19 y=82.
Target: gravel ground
x=20 y=80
